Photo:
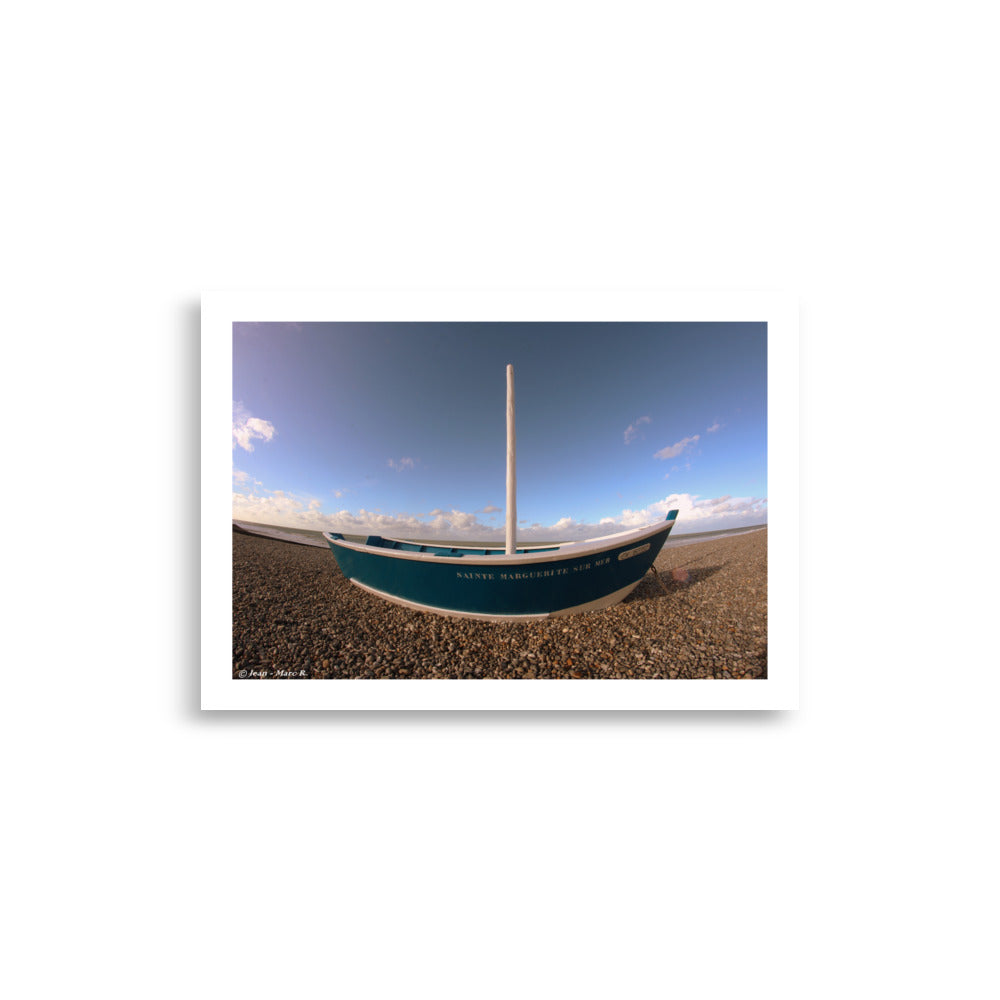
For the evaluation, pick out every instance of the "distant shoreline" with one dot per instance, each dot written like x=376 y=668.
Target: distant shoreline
x=305 y=536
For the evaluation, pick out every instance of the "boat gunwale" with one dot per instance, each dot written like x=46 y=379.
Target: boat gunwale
x=567 y=550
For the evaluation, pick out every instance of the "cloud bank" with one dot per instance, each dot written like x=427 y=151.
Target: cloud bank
x=696 y=514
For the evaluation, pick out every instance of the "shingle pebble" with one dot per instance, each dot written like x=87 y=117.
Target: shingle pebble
x=700 y=612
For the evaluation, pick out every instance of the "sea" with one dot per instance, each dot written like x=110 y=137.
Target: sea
x=303 y=537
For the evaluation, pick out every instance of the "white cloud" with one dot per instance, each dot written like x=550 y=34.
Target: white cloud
x=488 y=509
x=712 y=503
x=672 y=451
x=247 y=428
x=696 y=514
x=713 y=428
x=245 y=480
x=403 y=463
x=632 y=431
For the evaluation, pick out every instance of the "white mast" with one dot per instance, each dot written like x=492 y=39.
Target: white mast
x=511 y=472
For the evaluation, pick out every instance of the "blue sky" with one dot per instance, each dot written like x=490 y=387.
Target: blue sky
x=400 y=428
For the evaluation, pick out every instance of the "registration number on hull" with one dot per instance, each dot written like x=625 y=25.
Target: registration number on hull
x=637 y=551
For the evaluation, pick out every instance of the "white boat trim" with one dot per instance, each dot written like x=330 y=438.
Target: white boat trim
x=498 y=549
x=567 y=550
x=597 y=605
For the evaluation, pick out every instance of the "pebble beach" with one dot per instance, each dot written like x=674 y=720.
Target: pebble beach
x=700 y=612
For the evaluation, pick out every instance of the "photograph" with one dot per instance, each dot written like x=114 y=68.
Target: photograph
x=499 y=500
x=498 y=447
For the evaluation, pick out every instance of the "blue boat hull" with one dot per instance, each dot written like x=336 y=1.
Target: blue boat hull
x=561 y=580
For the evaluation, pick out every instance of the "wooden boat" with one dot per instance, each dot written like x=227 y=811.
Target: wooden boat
x=509 y=583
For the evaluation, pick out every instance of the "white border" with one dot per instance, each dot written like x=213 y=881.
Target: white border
x=220 y=309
